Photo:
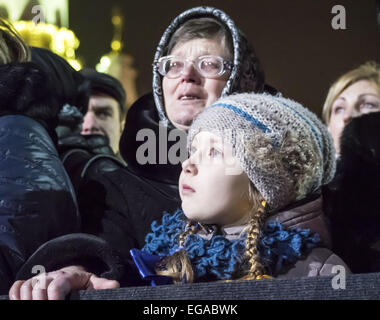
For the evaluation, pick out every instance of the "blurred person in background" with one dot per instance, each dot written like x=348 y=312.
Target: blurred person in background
x=38 y=202
x=106 y=109
x=355 y=93
x=352 y=199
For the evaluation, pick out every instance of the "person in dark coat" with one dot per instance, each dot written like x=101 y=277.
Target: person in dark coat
x=350 y=199
x=38 y=201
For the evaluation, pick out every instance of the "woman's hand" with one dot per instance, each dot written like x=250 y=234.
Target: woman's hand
x=57 y=284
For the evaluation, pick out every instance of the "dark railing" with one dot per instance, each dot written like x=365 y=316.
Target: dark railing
x=359 y=286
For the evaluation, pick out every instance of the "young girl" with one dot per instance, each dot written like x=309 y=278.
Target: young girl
x=251 y=207
x=251 y=155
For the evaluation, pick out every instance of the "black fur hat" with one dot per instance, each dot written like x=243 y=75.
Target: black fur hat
x=105 y=83
x=361 y=137
x=67 y=84
x=25 y=90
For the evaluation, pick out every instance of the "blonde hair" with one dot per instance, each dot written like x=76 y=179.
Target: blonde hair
x=178 y=266
x=12 y=47
x=258 y=214
x=369 y=71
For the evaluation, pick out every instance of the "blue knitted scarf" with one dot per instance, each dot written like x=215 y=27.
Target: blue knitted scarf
x=221 y=257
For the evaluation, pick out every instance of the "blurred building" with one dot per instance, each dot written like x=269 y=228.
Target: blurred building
x=45 y=24
x=118 y=64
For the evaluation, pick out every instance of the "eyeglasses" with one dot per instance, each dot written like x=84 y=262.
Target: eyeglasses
x=207 y=66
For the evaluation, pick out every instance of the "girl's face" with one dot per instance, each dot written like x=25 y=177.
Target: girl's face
x=359 y=98
x=213 y=187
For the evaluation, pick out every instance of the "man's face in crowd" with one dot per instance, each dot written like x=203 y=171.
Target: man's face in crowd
x=103 y=117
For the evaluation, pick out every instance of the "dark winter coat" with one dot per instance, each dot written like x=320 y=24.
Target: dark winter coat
x=37 y=198
x=118 y=203
x=352 y=199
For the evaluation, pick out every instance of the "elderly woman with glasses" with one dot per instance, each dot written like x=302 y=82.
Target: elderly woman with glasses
x=202 y=55
x=194 y=69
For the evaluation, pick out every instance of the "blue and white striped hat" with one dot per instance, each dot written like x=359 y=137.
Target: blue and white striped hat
x=285 y=150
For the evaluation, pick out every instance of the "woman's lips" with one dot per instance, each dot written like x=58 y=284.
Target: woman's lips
x=188 y=97
x=186 y=189
x=190 y=94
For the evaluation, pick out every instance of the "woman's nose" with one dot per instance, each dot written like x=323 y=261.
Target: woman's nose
x=190 y=74
x=349 y=114
x=347 y=117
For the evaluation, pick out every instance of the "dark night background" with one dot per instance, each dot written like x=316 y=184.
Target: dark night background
x=301 y=53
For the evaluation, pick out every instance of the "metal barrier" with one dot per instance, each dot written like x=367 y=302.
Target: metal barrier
x=359 y=286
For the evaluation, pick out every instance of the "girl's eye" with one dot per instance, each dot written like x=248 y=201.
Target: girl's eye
x=193 y=150
x=215 y=153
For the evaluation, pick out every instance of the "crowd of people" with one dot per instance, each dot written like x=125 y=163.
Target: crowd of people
x=102 y=198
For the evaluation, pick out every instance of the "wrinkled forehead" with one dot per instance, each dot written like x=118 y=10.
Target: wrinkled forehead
x=201 y=46
x=201 y=28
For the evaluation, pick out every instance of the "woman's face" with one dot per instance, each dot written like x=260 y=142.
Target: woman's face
x=213 y=187
x=359 y=98
x=187 y=96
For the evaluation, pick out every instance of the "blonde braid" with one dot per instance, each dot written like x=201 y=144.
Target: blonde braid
x=178 y=265
x=256 y=269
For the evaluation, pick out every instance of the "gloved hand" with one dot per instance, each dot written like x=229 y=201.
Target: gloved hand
x=70 y=121
x=94 y=144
